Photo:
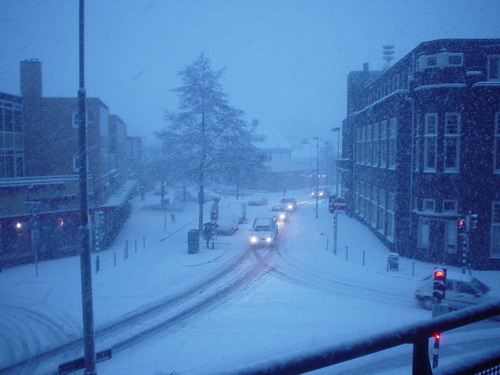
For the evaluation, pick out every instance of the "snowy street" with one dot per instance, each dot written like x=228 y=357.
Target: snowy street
x=163 y=310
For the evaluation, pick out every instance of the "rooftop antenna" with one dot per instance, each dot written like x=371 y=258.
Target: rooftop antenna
x=388 y=54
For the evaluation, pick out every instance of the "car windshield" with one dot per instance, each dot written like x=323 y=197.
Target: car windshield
x=478 y=285
x=262 y=228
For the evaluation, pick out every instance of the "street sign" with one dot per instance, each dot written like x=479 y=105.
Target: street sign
x=339 y=204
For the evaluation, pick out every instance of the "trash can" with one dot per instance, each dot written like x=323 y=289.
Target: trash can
x=193 y=241
x=393 y=262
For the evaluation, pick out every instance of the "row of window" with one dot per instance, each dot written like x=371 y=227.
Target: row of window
x=11 y=119
x=377 y=206
x=400 y=80
x=11 y=164
x=376 y=144
x=427 y=140
x=431 y=205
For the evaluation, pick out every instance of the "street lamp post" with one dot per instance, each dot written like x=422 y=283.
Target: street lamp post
x=85 y=258
x=317 y=173
x=337 y=130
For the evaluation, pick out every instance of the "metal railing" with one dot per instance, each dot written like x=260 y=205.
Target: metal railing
x=417 y=334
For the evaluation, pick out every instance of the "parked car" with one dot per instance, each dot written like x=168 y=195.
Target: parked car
x=264 y=232
x=290 y=204
x=257 y=200
x=239 y=209
x=461 y=291
x=227 y=224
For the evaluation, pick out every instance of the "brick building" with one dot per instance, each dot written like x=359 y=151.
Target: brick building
x=421 y=149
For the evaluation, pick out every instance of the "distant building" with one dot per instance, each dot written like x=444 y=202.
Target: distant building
x=421 y=149
x=39 y=170
x=283 y=169
x=11 y=136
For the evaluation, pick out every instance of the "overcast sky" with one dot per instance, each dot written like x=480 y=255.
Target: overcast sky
x=286 y=61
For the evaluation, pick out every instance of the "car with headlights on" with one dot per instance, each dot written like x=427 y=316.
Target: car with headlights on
x=264 y=232
x=289 y=203
x=279 y=212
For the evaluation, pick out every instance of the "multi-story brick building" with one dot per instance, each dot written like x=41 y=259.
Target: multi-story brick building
x=39 y=167
x=421 y=149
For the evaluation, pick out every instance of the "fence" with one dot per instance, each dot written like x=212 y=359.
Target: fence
x=416 y=334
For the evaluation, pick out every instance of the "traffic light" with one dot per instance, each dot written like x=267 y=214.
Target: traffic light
x=331 y=203
x=462 y=226
x=439 y=284
x=473 y=221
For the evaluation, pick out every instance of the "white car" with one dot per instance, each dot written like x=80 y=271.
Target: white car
x=461 y=291
x=264 y=232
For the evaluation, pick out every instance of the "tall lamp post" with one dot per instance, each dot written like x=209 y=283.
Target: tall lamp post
x=317 y=173
x=337 y=130
x=85 y=259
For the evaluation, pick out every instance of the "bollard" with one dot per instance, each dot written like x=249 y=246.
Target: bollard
x=347 y=253
x=143 y=242
x=363 y=258
x=97 y=265
x=172 y=217
x=114 y=258
x=413 y=268
x=327 y=244
x=136 y=246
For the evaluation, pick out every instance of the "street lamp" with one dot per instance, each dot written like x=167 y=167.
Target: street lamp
x=337 y=130
x=317 y=173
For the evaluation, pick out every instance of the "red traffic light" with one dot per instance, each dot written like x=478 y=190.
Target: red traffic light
x=439 y=273
x=461 y=223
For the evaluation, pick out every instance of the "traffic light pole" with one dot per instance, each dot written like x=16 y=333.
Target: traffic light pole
x=335 y=227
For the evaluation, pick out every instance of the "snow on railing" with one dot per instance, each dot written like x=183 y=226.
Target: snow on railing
x=417 y=334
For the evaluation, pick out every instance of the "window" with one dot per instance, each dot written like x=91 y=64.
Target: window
x=495 y=231
x=452 y=142
x=383 y=144
x=391 y=208
x=429 y=205
x=391 y=144
x=430 y=142
x=496 y=146
x=451 y=237
x=450 y=206
x=494 y=68
x=455 y=60
x=423 y=233
x=430 y=123
x=381 y=210
x=431 y=61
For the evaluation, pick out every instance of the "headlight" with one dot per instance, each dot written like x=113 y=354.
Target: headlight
x=254 y=239
x=290 y=207
x=282 y=216
x=320 y=194
x=312 y=193
x=269 y=239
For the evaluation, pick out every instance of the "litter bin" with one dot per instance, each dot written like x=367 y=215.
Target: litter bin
x=393 y=262
x=193 y=241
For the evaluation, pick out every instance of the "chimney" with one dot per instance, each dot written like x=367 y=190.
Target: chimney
x=31 y=79
x=366 y=67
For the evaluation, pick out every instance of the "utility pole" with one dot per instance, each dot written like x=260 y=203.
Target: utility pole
x=84 y=230
x=337 y=130
x=317 y=173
